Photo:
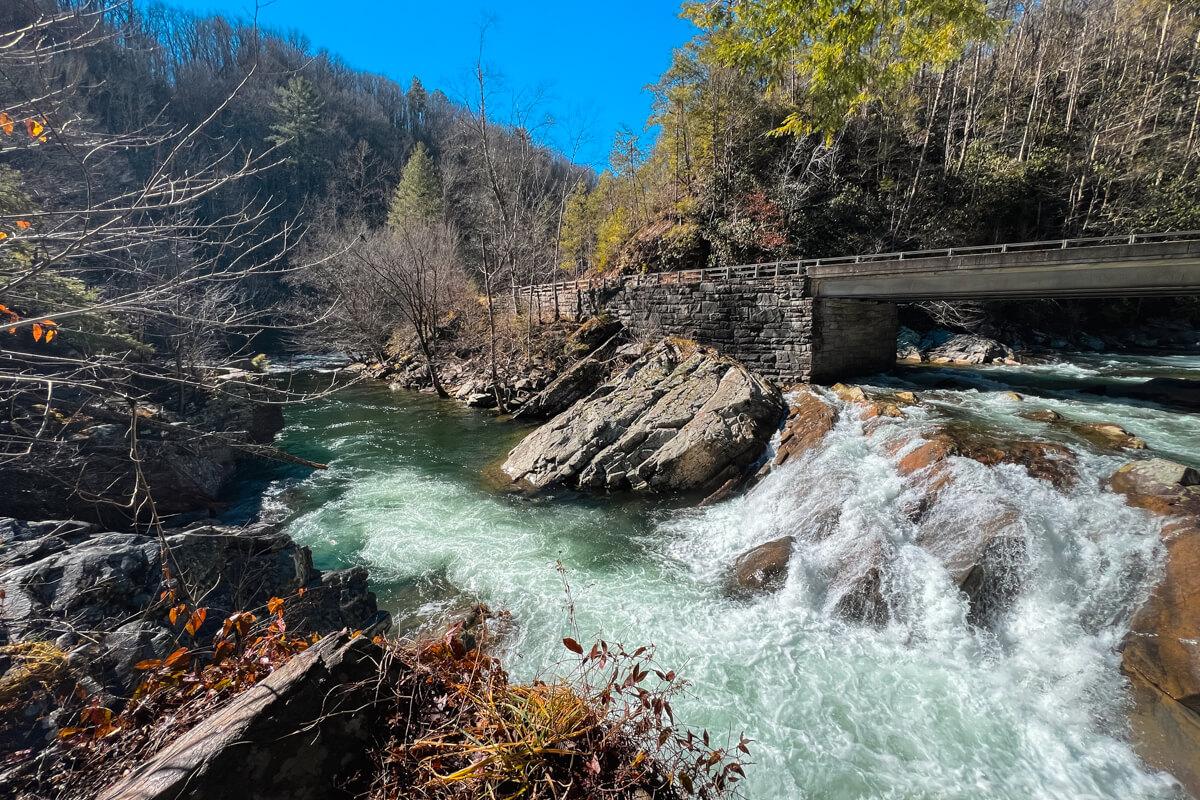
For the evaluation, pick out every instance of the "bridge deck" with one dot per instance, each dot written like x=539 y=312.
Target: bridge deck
x=1135 y=265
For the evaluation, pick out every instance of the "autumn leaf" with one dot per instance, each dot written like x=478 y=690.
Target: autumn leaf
x=175 y=611
x=34 y=128
x=24 y=224
x=38 y=330
x=275 y=605
x=3 y=235
x=149 y=663
x=573 y=646
x=196 y=620
x=176 y=657
x=6 y=123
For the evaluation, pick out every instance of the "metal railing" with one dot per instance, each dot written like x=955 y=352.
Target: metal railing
x=799 y=267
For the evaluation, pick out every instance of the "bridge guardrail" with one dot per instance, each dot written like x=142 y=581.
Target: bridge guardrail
x=799 y=267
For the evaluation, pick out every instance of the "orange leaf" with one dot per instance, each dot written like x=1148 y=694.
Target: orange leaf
x=34 y=128
x=3 y=235
x=196 y=620
x=176 y=657
x=23 y=224
x=37 y=331
x=149 y=663
x=50 y=334
x=6 y=123
x=275 y=605
x=175 y=611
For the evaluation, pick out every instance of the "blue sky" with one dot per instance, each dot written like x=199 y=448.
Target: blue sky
x=588 y=63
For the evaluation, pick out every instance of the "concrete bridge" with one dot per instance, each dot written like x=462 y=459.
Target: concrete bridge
x=824 y=319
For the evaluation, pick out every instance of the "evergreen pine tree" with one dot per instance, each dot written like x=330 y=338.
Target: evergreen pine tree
x=419 y=193
x=298 y=119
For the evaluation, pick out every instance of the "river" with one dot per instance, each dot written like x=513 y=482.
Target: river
x=927 y=707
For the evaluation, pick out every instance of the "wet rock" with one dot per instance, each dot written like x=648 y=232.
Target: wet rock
x=1166 y=735
x=810 y=418
x=305 y=733
x=983 y=551
x=1107 y=435
x=858 y=585
x=1014 y=396
x=1042 y=415
x=906 y=398
x=480 y=400
x=850 y=394
x=1163 y=645
x=967 y=348
x=761 y=569
x=678 y=420
x=1156 y=483
x=1049 y=461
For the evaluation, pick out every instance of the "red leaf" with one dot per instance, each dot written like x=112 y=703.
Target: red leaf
x=573 y=646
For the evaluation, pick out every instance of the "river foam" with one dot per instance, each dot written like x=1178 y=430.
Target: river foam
x=927 y=706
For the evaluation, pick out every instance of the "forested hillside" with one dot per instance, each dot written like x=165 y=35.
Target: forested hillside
x=950 y=124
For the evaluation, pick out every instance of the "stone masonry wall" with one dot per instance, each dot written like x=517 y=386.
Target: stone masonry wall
x=853 y=337
x=764 y=324
x=770 y=324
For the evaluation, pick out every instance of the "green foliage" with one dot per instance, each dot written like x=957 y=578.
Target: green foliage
x=297 y=127
x=418 y=196
x=831 y=58
x=614 y=229
x=577 y=238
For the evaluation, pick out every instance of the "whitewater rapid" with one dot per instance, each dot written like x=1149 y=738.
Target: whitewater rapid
x=928 y=706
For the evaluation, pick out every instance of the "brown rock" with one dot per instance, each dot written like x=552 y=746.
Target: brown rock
x=849 y=394
x=1165 y=734
x=761 y=569
x=1042 y=415
x=1109 y=436
x=809 y=419
x=1163 y=646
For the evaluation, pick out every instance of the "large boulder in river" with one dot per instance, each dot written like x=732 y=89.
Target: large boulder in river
x=761 y=569
x=1163 y=646
x=680 y=419
x=968 y=348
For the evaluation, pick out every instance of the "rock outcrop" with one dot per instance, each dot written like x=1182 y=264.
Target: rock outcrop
x=1161 y=653
x=95 y=594
x=1164 y=640
x=305 y=733
x=809 y=420
x=943 y=347
x=681 y=419
x=89 y=474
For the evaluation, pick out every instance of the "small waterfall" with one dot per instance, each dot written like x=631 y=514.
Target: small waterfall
x=932 y=703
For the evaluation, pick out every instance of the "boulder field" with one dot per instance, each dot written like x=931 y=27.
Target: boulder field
x=680 y=419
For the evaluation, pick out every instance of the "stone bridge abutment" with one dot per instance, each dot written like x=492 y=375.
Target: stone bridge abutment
x=825 y=319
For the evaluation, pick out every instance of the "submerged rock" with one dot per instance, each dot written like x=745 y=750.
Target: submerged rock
x=761 y=569
x=1108 y=435
x=674 y=421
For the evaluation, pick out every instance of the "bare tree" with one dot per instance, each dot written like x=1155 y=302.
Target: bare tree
x=118 y=293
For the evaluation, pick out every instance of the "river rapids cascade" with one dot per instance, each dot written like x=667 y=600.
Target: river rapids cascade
x=927 y=704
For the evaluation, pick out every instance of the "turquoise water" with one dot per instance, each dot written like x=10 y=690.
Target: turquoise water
x=927 y=707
